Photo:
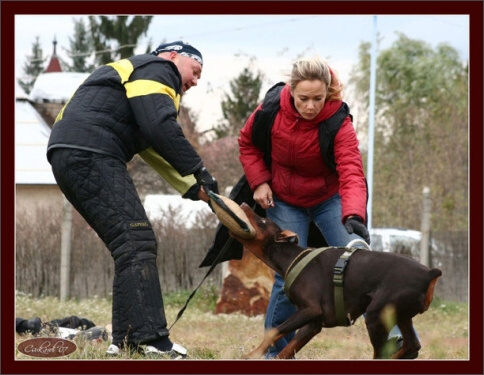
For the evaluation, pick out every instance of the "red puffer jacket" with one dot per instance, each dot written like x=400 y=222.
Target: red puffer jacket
x=298 y=174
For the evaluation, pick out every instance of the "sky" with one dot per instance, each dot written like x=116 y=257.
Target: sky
x=268 y=43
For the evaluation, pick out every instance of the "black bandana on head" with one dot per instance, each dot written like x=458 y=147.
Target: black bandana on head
x=183 y=48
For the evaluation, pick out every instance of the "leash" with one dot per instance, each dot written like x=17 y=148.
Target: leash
x=214 y=264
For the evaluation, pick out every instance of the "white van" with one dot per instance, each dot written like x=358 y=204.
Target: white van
x=396 y=240
x=402 y=241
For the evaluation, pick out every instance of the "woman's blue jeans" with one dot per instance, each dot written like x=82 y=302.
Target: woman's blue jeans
x=327 y=217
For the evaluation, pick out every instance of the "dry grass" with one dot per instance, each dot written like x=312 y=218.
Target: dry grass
x=443 y=330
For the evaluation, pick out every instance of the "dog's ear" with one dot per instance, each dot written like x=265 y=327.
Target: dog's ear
x=287 y=236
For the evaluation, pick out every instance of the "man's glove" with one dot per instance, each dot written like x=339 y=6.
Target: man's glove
x=192 y=193
x=355 y=225
x=206 y=180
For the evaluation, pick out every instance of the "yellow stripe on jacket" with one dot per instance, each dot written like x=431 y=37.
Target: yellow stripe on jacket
x=142 y=86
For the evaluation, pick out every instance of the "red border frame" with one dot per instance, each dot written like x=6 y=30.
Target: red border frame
x=472 y=8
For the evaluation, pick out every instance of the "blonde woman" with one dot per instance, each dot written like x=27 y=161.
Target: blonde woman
x=312 y=171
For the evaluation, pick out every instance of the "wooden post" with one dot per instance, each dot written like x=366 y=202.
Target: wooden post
x=65 y=266
x=425 y=228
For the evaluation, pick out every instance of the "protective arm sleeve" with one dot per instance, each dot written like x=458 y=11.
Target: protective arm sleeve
x=180 y=183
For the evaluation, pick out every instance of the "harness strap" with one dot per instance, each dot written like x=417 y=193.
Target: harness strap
x=294 y=270
x=307 y=256
x=294 y=261
x=338 y=272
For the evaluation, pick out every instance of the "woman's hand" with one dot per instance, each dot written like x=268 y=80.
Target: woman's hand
x=263 y=196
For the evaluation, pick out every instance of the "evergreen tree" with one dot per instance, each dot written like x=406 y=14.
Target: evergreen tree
x=33 y=67
x=81 y=48
x=237 y=106
x=116 y=37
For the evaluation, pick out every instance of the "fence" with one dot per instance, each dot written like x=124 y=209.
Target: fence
x=180 y=252
x=452 y=257
x=38 y=256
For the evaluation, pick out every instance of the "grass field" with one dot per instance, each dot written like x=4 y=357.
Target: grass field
x=443 y=330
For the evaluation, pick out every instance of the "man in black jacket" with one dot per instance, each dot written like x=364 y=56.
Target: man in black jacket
x=125 y=108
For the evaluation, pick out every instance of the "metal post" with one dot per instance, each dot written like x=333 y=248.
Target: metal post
x=65 y=249
x=425 y=227
x=371 y=125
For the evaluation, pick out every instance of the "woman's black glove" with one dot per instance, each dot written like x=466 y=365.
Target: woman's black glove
x=354 y=224
x=206 y=180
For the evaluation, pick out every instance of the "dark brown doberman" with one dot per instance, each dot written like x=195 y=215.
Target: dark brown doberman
x=374 y=284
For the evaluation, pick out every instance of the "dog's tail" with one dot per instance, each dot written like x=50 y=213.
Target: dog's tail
x=434 y=274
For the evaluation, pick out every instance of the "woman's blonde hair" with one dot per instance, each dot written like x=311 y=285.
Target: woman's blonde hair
x=313 y=68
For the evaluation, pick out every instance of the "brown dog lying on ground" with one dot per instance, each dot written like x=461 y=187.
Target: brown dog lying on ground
x=373 y=282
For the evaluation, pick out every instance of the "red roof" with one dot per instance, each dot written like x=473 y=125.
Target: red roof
x=54 y=64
